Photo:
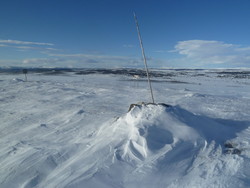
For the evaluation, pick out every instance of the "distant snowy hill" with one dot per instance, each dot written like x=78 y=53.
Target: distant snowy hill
x=74 y=129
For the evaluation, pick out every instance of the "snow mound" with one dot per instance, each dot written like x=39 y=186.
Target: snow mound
x=156 y=145
x=152 y=145
x=151 y=130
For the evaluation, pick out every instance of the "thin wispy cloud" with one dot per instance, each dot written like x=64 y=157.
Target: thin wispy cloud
x=3 y=45
x=18 y=42
x=56 y=58
x=9 y=62
x=101 y=60
x=39 y=61
x=83 y=60
x=41 y=47
x=52 y=49
x=203 y=52
x=82 y=55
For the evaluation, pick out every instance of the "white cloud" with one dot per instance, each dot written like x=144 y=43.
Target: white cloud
x=90 y=60
x=203 y=48
x=42 y=61
x=18 y=42
x=9 y=62
x=204 y=52
x=53 y=57
x=100 y=57
x=79 y=61
x=42 y=50
x=26 y=46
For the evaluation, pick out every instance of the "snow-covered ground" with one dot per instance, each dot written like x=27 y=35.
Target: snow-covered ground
x=75 y=130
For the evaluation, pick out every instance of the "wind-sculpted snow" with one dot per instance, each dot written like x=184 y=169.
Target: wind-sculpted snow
x=159 y=146
x=75 y=131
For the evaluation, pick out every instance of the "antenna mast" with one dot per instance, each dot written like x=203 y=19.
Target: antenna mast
x=144 y=57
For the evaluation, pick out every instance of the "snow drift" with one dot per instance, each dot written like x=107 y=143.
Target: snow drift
x=155 y=146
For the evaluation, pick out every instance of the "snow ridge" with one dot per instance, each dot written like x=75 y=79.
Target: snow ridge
x=159 y=146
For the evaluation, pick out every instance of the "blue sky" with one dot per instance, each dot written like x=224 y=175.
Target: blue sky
x=92 y=33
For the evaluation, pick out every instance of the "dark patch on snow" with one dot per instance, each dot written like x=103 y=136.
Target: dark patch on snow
x=80 y=112
x=234 y=74
x=140 y=104
x=230 y=145
x=233 y=151
x=13 y=151
x=141 y=131
x=118 y=155
x=33 y=182
x=43 y=125
x=158 y=81
x=231 y=148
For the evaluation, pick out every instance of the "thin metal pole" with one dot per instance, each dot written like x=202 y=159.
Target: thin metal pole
x=144 y=57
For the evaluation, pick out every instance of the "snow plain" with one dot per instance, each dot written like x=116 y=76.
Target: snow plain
x=65 y=129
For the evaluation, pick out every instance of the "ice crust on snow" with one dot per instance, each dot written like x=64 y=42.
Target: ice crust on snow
x=73 y=131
